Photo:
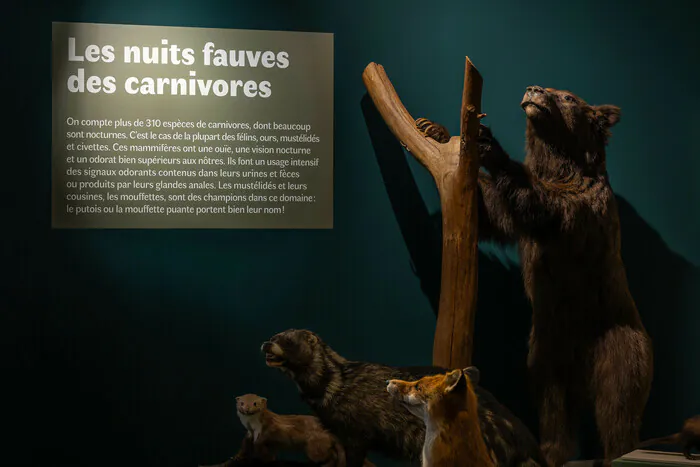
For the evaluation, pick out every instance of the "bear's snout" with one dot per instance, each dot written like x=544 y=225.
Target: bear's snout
x=532 y=91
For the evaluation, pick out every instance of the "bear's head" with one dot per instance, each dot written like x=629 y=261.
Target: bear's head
x=562 y=120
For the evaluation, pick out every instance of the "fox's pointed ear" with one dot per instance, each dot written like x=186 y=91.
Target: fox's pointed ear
x=472 y=373
x=453 y=380
x=607 y=115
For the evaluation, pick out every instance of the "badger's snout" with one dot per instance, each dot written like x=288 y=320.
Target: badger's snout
x=274 y=354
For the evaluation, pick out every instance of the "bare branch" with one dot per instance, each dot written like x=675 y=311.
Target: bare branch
x=455 y=167
x=398 y=119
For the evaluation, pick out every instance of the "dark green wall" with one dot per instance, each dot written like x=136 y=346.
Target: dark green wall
x=127 y=347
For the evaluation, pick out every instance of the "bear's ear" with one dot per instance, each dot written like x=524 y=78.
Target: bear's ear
x=607 y=115
x=453 y=380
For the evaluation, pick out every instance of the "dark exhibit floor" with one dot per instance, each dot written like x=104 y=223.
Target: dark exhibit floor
x=256 y=463
x=282 y=463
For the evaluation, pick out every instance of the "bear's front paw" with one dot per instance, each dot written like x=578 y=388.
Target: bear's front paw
x=433 y=130
x=484 y=140
x=490 y=153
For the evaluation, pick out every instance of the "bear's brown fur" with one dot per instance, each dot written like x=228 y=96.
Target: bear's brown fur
x=587 y=342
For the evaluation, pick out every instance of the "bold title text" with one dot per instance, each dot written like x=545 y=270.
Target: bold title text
x=172 y=54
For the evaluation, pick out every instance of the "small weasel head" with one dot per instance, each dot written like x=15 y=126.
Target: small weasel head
x=250 y=404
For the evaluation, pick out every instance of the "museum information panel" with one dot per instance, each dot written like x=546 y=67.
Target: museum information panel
x=170 y=127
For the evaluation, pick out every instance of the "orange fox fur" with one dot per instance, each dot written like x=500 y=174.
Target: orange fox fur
x=448 y=405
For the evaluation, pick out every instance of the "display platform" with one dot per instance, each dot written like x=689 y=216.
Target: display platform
x=642 y=457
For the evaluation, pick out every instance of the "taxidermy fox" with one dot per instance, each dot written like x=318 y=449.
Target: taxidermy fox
x=448 y=405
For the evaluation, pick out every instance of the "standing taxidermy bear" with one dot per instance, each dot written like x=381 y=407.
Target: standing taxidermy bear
x=587 y=340
x=351 y=400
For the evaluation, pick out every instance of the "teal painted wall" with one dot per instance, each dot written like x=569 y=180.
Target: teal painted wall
x=127 y=347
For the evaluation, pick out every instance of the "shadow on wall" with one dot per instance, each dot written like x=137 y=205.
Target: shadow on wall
x=656 y=276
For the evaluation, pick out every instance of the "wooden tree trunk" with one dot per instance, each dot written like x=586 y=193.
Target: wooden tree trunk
x=454 y=166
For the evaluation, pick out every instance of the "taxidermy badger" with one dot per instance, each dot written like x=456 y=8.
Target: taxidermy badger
x=351 y=400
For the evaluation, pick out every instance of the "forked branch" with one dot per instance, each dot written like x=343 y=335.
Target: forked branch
x=455 y=167
x=398 y=119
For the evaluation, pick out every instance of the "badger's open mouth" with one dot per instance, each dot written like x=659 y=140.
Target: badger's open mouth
x=273 y=360
x=274 y=355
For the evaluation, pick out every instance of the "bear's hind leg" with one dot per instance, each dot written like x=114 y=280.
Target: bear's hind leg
x=557 y=434
x=621 y=381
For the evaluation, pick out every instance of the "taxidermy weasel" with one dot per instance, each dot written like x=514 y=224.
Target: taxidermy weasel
x=269 y=432
x=448 y=405
x=688 y=438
